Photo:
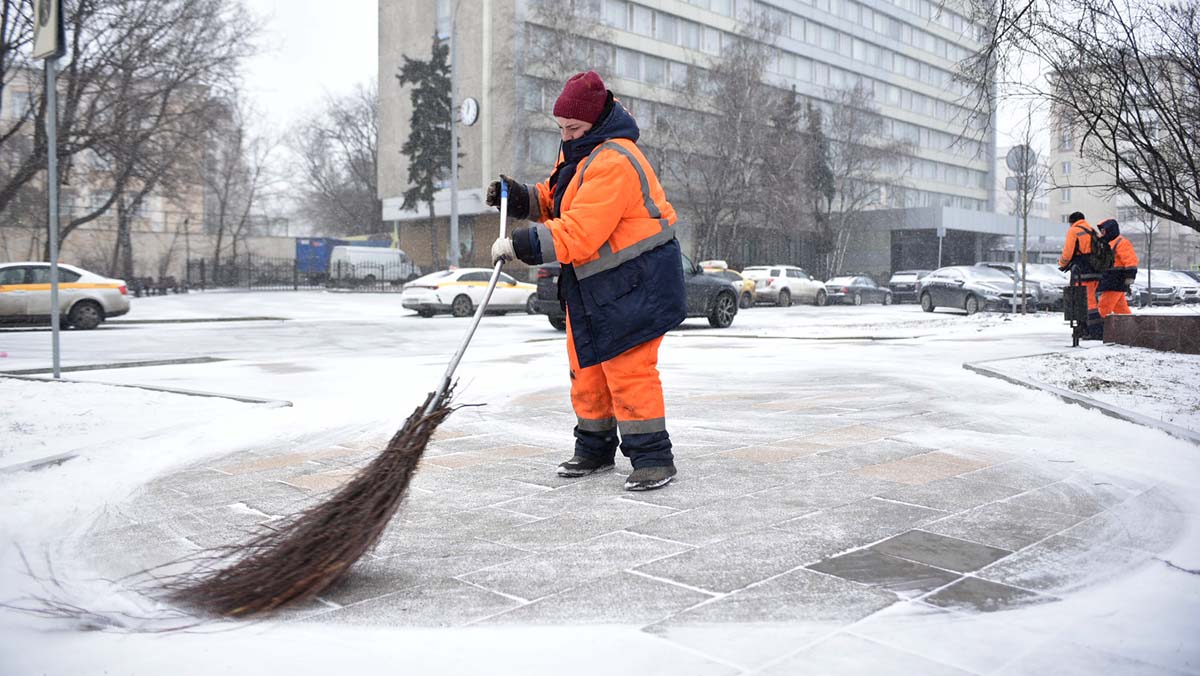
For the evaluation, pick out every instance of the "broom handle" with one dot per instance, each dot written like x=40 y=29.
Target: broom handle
x=487 y=296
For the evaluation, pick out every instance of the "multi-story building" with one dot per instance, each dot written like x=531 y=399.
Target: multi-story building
x=904 y=52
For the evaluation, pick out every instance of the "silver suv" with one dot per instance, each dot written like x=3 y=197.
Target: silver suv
x=785 y=284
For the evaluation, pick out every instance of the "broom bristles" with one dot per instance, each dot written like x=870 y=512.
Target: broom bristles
x=297 y=560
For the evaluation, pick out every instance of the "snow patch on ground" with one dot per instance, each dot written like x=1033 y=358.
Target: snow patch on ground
x=1161 y=385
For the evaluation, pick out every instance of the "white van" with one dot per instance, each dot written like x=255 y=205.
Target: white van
x=370 y=264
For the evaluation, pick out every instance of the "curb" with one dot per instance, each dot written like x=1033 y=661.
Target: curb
x=117 y=365
x=270 y=403
x=197 y=320
x=1086 y=402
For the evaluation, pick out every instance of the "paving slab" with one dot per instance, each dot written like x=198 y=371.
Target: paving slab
x=1061 y=564
x=940 y=551
x=554 y=570
x=849 y=655
x=975 y=594
x=619 y=598
x=874 y=568
x=975 y=643
x=442 y=603
x=1066 y=658
x=779 y=616
x=955 y=494
x=1003 y=525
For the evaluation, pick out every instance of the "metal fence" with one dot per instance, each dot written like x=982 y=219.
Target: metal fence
x=283 y=274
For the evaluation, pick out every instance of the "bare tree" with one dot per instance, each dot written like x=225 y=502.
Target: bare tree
x=865 y=165
x=136 y=76
x=339 y=154
x=720 y=174
x=236 y=179
x=1123 y=78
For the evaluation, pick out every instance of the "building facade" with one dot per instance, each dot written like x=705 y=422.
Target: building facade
x=1078 y=183
x=903 y=52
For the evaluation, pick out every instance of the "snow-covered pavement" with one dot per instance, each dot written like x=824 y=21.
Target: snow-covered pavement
x=850 y=499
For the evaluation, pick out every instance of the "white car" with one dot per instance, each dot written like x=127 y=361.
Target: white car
x=85 y=299
x=785 y=284
x=460 y=291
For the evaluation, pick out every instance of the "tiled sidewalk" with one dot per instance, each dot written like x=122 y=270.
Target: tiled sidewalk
x=797 y=529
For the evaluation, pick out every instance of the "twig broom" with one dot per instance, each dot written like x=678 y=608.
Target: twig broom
x=310 y=551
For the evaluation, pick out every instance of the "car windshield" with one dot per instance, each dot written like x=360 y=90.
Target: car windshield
x=433 y=276
x=984 y=274
x=842 y=281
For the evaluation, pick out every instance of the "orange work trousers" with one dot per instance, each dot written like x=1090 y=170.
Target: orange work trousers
x=624 y=392
x=1113 y=303
x=1091 y=285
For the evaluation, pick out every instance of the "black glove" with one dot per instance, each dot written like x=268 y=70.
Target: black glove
x=518 y=197
x=1064 y=268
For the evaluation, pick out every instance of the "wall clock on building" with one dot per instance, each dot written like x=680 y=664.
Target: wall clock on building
x=468 y=112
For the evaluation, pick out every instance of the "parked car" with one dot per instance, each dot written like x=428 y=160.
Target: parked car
x=1187 y=289
x=785 y=284
x=856 y=291
x=370 y=265
x=967 y=287
x=1046 y=282
x=459 y=291
x=85 y=299
x=904 y=285
x=1191 y=273
x=707 y=296
x=1167 y=289
x=744 y=286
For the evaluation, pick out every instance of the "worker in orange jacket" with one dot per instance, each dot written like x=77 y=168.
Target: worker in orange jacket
x=604 y=216
x=1074 y=258
x=1115 y=281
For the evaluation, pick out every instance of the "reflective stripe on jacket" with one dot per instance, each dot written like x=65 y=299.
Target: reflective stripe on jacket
x=1125 y=264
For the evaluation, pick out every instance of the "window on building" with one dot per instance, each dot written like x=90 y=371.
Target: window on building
x=712 y=41
x=690 y=34
x=629 y=64
x=722 y=7
x=654 y=70
x=1064 y=195
x=642 y=21
x=666 y=27
x=616 y=14
x=1066 y=168
x=1065 y=142
x=18 y=104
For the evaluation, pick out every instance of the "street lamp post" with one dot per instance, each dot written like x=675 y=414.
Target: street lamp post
x=453 y=258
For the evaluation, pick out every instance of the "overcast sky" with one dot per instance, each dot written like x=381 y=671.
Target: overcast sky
x=310 y=48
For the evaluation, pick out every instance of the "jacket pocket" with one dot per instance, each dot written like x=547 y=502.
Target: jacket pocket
x=610 y=287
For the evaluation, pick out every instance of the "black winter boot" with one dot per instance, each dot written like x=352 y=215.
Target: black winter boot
x=582 y=465
x=649 y=478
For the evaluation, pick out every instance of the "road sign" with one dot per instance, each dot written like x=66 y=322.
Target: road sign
x=48 y=41
x=1021 y=159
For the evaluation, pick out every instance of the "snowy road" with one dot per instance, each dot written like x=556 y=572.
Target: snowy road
x=865 y=411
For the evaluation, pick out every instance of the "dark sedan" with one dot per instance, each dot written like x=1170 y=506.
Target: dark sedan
x=968 y=287
x=856 y=291
x=905 y=284
x=707 y=296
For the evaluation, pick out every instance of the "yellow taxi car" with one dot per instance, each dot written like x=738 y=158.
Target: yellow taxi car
x=85 y=299
x=742 y=284
x=459 y=291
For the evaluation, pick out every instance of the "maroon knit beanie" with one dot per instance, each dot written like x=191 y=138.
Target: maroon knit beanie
x=582 y=98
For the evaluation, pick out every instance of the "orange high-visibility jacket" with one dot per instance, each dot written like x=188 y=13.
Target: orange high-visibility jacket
x=622 y=278
x=613 y=204
x=1076 y=248
x=1124 y=269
